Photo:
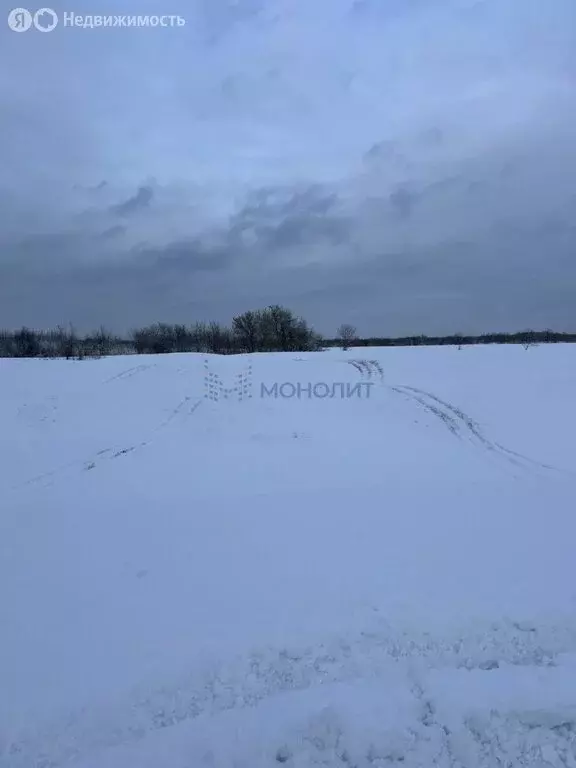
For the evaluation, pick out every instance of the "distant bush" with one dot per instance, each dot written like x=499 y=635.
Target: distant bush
x=26 y=343
x=59 y=343
x=346 y=336
x=274 y=329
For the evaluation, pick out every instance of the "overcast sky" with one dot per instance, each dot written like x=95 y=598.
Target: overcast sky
x=408 y=166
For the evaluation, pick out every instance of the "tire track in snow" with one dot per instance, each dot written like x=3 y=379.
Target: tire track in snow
x=459 y=423
x=475 y=430
x=444 y=417
x=106 y=454
x=368 y=368
x=463 y=426
x=128 y=373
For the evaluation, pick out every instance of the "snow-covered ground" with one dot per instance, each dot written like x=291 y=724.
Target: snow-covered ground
x=374 y=580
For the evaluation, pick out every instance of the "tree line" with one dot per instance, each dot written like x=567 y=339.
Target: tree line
x=528 y=338
x=273 y=329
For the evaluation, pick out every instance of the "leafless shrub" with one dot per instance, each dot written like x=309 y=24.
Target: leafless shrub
x=346 y=335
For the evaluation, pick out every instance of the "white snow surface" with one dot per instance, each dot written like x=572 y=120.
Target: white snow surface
x=374 y=580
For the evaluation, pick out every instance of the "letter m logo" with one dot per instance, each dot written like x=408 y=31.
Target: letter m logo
x=240 y=386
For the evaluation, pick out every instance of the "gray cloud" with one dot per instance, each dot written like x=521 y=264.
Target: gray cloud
x=138 y=202
x=408 y=166
x=112 y=232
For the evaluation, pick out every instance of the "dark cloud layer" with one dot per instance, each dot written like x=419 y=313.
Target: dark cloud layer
x=406 y=166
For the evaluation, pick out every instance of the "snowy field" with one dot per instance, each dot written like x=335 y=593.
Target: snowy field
x=376 y=580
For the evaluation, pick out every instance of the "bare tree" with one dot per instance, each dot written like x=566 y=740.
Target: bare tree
x=247 y=329
x=200 y=337
x=459 y=339
x=347 y=335
x=529 y=339
x=69 y=345
x=218 y=338
x=274 y=328
x=100 y=343
x=26 y=343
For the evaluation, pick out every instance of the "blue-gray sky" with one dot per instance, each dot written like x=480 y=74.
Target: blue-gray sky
x=404 y=165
